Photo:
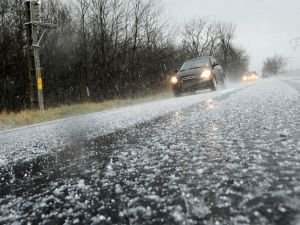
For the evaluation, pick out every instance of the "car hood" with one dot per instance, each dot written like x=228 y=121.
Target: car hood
x=192 y=72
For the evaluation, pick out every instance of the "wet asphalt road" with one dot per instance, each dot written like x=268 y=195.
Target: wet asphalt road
x=232 y=158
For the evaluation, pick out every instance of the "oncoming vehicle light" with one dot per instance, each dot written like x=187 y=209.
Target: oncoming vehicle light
x=174 y=80
x=206 y=74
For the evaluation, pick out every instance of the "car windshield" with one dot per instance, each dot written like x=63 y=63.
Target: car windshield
x=196 y=63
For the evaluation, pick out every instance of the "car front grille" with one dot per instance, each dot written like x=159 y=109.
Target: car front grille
x=189 y=78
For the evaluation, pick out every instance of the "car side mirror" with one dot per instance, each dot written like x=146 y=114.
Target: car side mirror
x=215 y=64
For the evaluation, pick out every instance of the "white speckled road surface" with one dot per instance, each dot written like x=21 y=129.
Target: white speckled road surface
x=228 y=157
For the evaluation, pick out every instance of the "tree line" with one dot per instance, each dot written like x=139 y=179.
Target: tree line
x=104 y=49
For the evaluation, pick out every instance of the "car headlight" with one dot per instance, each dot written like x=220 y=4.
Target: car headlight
x=245 y=78
x=174 y=80
x=206 y=74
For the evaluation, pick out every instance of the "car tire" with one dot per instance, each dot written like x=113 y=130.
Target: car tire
x=213 y=84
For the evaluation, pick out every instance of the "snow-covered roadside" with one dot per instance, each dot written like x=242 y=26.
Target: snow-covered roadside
x=29 y=142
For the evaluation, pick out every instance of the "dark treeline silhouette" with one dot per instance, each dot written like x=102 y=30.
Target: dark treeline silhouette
x=104 y=49
x=13 y=63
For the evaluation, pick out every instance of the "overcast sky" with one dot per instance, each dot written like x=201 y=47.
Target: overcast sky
x=264 y=27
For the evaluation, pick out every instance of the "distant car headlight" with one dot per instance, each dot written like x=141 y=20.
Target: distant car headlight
x=245 y=78
x=174 y=80
x=206 y=74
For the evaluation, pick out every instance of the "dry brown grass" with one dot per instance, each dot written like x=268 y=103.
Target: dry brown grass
x=29 y=117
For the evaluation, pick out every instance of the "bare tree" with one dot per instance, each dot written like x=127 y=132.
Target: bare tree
x=198 y=37
x=202 y=37
x=83 y=7
x=13 y=70
x=226 y=33
x=274 y=65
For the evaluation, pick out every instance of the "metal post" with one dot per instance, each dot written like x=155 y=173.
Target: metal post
x=35 y=75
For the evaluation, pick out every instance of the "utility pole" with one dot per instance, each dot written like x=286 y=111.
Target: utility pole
x=295 y=43
x=34 y=40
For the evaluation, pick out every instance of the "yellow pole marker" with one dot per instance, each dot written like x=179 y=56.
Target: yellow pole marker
x=39 y=80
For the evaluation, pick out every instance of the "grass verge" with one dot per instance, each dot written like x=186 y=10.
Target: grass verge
x=30 y=117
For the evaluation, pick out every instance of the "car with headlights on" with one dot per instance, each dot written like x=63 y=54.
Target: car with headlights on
x=250 y=76
x=197 y=74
